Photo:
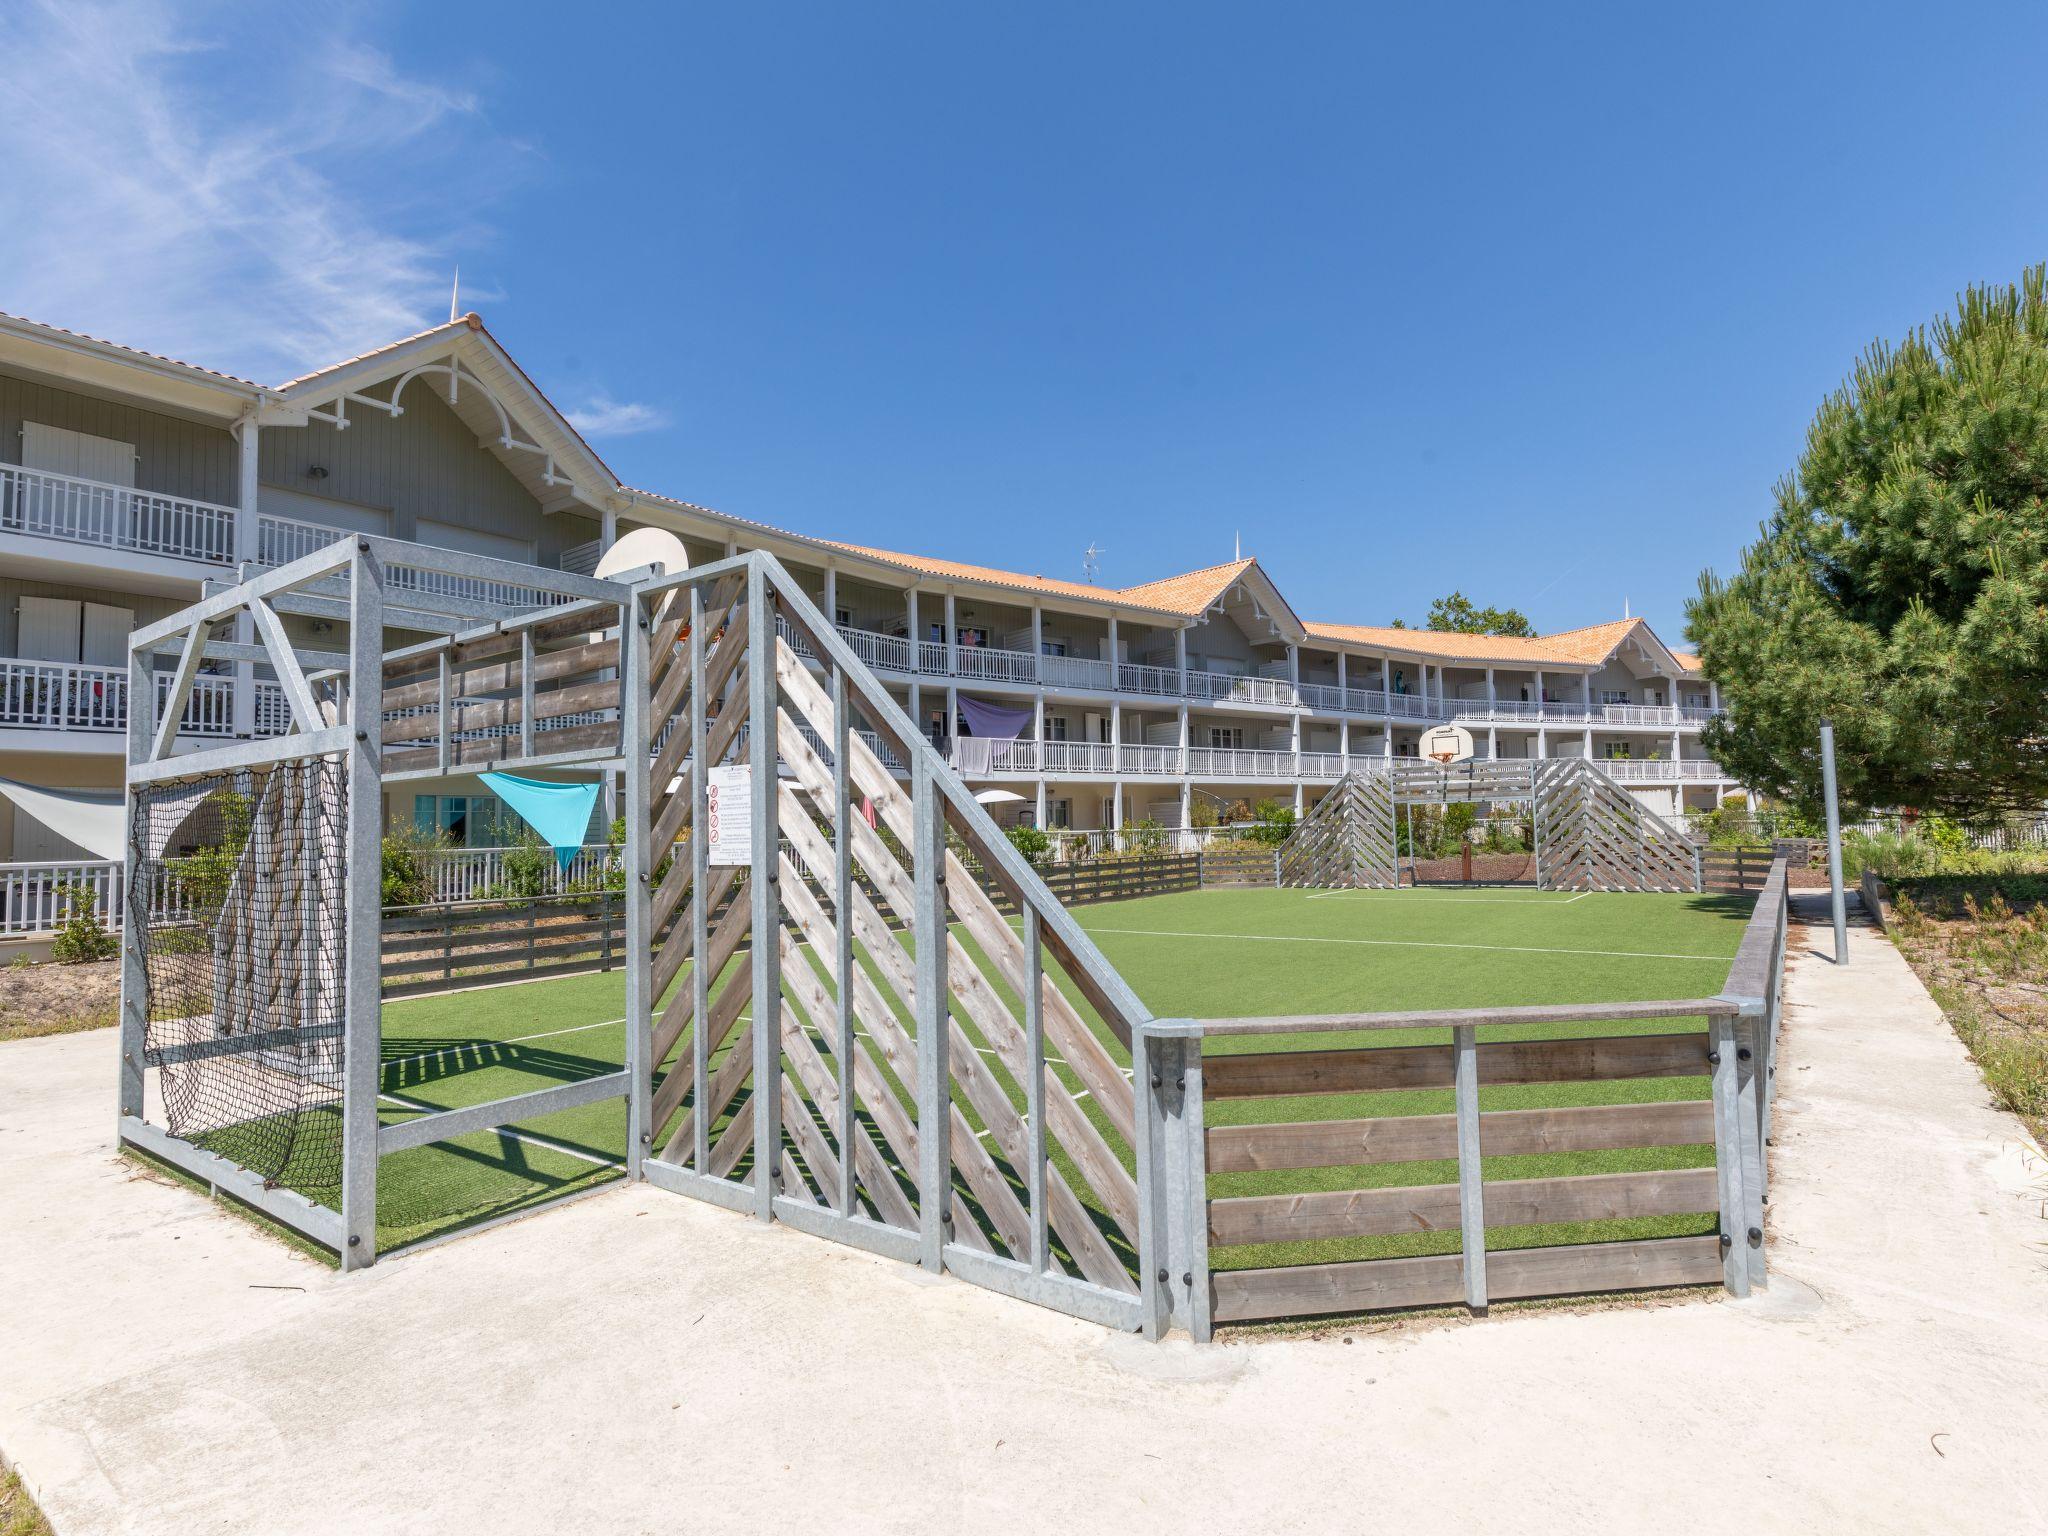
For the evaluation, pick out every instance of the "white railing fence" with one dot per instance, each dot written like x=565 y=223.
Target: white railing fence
x=52 y=506
x=34 y=897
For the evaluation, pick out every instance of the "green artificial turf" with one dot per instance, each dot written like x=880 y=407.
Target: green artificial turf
x=1208 y=954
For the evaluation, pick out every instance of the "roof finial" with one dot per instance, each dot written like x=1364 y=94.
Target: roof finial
x=455 y=296
x=1237 y=544
x=1624 y=607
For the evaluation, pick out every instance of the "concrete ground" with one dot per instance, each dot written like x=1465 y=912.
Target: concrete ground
x=641 y=1362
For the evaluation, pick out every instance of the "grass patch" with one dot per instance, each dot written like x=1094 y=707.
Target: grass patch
x=18 y=1513
x=1198 y=954
x=1986 y=966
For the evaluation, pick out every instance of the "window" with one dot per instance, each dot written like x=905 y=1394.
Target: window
x=1228 y=738
x=1614 y=696
x=467 y=821
x=1055 y=727
x=843 y=617
x=971 y=637
x=1052 y=647
x=1059 y=813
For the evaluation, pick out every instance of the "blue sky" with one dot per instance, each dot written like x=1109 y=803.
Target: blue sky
x=1533 y=304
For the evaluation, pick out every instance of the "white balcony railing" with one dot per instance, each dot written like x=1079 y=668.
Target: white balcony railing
x=1691 y=770
x=77 y=696
x=51 y=506
x=35 y=897
x=895 y=653
x=1240 y=763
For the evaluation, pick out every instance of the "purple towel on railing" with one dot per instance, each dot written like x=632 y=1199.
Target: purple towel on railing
x=994 y=720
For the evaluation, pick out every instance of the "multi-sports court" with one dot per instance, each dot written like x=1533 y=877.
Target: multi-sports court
x=1180 y=1104
x=1215 y=953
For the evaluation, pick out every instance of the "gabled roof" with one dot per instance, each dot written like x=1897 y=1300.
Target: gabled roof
x=1192 y=592
x=468 y=341
x=1590 y=646
x=925 y=565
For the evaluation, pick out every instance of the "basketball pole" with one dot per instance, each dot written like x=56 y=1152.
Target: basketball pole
x=1834 y=809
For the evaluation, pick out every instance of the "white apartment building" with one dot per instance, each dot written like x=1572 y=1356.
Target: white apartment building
x=129 y=480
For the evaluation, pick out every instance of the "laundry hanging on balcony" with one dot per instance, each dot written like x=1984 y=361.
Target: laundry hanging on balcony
x=94 y=820
x=993 y=720
x=560 y=813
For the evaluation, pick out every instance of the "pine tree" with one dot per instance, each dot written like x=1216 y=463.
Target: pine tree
x=1901 y=586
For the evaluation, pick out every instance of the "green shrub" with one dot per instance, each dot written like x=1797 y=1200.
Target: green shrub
x=79 y=934
x=526 y=868
x=1272 y=823
x=1147 y=837
x=1031 y=842
x=404 y=866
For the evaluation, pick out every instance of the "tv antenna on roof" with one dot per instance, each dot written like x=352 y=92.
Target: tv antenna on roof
x=1091 y=563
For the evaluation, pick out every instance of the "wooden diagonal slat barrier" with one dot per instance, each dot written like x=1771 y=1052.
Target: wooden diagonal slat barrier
x=1591 y=834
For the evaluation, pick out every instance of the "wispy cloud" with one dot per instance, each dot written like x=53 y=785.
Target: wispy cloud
x=254 y=189
x=602 y=416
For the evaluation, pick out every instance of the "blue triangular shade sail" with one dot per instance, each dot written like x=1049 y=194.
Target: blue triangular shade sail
x=560 y=813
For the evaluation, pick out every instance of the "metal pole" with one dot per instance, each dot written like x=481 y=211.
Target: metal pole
x=635 y=732
x=1827 y=779
x=934 y=1071
x=362 y=989
x=135 y=891
x=763 y=880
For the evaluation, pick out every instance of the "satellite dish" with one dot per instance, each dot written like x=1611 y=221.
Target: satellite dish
x=641 y=548
x=1446 y=744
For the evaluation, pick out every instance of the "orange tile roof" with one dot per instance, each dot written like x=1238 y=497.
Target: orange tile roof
x=1191 y=592
x=1592 y=644
x=1584 y=647
x=1687 y=660
x=962 y=571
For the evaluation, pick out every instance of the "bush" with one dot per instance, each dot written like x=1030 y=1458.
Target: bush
x=404 y=866
x=612 y=876
x=1147 y=837
x=526 y=869
x=79 y=935
x=1031 y=842
x=1272 y=823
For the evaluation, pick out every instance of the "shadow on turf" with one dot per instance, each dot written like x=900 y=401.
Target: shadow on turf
x=430 y=1060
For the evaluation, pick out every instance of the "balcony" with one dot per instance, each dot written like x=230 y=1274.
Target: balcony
x=990 y=664
x=94 y=515
x=1691 y=770
x=1554 y=712
x=986 y=757
x=77 y=697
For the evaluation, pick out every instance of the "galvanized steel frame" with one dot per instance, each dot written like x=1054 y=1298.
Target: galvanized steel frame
x=937 y=798
x=362 y=563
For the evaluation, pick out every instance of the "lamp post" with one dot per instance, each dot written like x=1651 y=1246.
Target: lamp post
x=1827 y=779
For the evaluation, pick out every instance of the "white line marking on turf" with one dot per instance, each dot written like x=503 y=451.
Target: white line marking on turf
x=1511 y=949
x=508 y=1133
x=1454 y=899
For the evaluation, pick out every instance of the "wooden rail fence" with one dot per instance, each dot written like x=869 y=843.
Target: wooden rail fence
x=1712 y=1139
x=1241 y=867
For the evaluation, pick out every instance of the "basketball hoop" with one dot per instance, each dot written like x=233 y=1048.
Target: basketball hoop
x=1446 y=744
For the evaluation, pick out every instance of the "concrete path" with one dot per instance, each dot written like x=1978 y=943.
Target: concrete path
x=640 y=1362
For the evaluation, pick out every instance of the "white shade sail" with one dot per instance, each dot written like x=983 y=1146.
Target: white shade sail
x=93 y=819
